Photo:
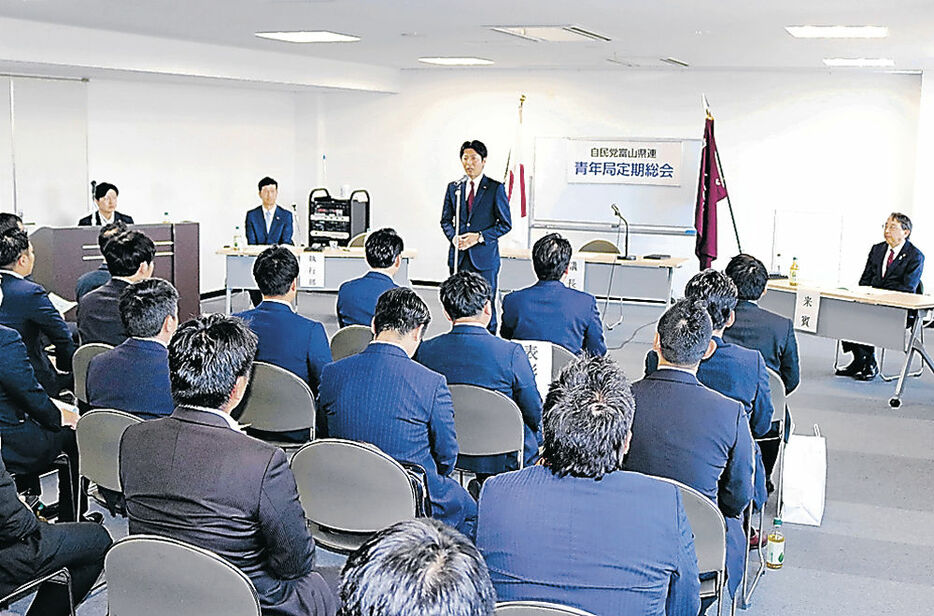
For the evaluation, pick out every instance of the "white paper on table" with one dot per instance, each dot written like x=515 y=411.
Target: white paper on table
x=539 y=353
x=807 y=309
x=311 y=270
x=60 y=303
x=575 y=278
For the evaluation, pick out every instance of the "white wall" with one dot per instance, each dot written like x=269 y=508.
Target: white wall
x=832 y=146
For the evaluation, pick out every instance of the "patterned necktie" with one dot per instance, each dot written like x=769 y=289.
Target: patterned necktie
x=888 y=262
x=470 y=197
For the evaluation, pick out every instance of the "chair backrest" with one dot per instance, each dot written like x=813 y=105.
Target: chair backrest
x=536 y=608
x=149 y=575
x=98 y=434
x=600 y=246
x=709 y=528
x=79 y=364
x=350 y=340
x=277 y=401
x=352 y=487
x=777 y=387
x=560 y=357
x=487 y=422
x=357 y=241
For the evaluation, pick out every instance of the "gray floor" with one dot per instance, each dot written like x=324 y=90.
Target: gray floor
x=868 y=556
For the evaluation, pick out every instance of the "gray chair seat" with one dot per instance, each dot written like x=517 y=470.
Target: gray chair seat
x=350 y=340
x=536 y=608
x=79 y=365
x=277 y=401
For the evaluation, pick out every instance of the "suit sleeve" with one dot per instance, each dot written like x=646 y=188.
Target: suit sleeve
x=447 y=213
x=760 y=421
x=248 y=229
x=789 y=369
x=287 y=229
x=525 y=392
x=442 y=435
x=594 y=343
x=912 y=275
x=53 y=326
x=736 y=489
x=128 y=219
x=19 y=382
x=508 y=319
x=866 y=279
x=503 y=219
x=319 y=355
x=684 y=586
x=289 y=546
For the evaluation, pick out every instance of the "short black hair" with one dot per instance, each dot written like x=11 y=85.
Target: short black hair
x=9 y=220
x=903 y=220
x=266 y=181
x=382 y=247
x=102 y=188
x=476 y=146
x=415 y=568
x=551 y=255
x=274 y=270
x=145 y=305
x=126 y=251
x=465 y=294
x=206 y=357
x=717 y=290
x=400 y=310
x=587 y=414
x=108 y=231
x=749 y=275
x=684 y=332
x=13 y=243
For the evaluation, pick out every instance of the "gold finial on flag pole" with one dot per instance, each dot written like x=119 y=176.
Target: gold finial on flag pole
x=706 y=107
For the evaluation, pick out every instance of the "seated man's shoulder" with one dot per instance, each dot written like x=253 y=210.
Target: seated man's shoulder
x=8 y=335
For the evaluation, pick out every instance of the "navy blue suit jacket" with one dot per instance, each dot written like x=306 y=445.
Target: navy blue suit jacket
x=191 y=477
x=280 y=231
x=548 y=310
x=903 y=275
x=772 y=335
x=94 y=220
x=356 y=299
x=471 y=355
x=620 y=545
x=381 y=396
x=132 y=377
x=489 y=216
x=27 y=309
x=684 y=431
x=99 y=314
x=89 y=281
x=30 y=424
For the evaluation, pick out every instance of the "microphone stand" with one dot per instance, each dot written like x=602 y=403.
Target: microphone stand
x=625 y=256
x=457 y=224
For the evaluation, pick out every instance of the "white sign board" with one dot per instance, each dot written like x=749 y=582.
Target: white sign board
x=575 y=278
x=807 y=307
x=624 y=162
x=539 y=353
x=311 y=270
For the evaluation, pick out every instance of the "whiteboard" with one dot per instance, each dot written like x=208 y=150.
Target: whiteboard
x=555 y=200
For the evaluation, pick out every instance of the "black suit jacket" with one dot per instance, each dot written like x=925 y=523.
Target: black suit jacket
x=903 y=275
x=191 y=477
x=99 y=314
x=94 y=220
x=772 y=335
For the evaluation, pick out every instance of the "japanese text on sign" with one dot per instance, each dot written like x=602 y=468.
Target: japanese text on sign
x=656 y=162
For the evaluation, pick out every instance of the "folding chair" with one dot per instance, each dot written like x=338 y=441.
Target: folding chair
x=487 y=423
x=79 y=365
x=350 y=340
x=746 y=588
x=98 y=434
x=357 y=241
x=278 y=401
x=604 y=246
x=62 y=576
x=779 y=408
x=536 y=608
x=351 y=490
x=149 y=575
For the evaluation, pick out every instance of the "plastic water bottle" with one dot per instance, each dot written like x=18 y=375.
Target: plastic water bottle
x=775 y=548
x=237 y=238
x=165 y=218
x=793 y=272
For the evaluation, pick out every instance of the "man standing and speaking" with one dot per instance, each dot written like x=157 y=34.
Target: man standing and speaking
x=474 y=217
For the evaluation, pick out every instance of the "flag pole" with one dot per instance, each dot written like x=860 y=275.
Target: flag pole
x=729 y=204
x=509 y=156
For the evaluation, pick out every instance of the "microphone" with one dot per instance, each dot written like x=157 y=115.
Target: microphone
x=625 y=256
x=616 y=210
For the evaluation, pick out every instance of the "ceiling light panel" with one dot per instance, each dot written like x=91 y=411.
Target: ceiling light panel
x=838 y=32
x=451 y=61
x=551 y=34
x=304 y=36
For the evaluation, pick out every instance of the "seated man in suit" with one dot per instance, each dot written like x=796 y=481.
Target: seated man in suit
x=416 y=567
x=27 y=309
x=356 y=299
x=30 y=548
x=89 y=281
x=896 y=265
x=544 y=530
x=195 y=477
x=129 y=257
x=692 y=434
x=381 y=396
x=268 y=223
x=550 y=311
x=471 y=355
x=134 y=376
x=105 y=197
x=286 y=338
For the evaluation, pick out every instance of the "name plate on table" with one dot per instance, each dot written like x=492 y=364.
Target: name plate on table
x=539 y=353
x=807 y=309
x=311 y=270
x=575 y=279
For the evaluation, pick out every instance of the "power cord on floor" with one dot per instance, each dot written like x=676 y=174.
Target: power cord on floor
x=631 y=337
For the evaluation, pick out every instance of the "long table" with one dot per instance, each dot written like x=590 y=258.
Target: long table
x=340 y=265
x=862 y=315
x=605 y=275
